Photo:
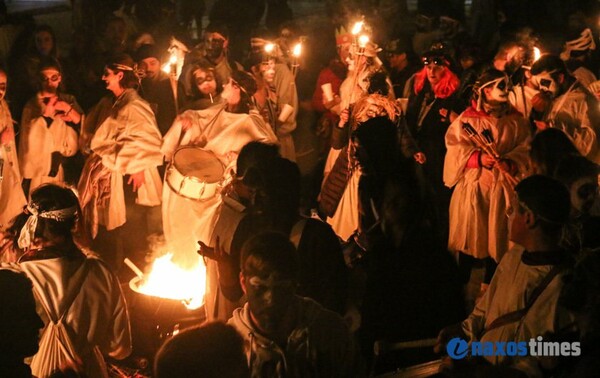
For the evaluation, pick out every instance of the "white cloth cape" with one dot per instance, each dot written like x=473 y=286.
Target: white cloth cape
x=12 y=199
x=346 y=217
x=478 y=222
x=96 y=321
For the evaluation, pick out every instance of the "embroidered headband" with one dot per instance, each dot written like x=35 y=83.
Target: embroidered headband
x=28 y=231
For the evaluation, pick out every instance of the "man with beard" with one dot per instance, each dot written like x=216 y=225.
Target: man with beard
x=49 y=130
x=216 y=40
x=284 y=334
x=566 y=104
x=156 y=87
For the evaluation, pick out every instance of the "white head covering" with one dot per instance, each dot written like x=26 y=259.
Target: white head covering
x=583 y=43
x=28 y=231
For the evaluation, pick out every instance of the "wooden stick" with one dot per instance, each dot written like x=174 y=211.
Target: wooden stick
x=133 y=267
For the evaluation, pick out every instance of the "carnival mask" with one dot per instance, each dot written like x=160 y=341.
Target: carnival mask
x=498 y=90
x=545 y=82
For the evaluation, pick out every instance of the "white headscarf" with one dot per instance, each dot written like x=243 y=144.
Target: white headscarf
x=28 y=231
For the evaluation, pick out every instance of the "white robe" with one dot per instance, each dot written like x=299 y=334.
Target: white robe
x=37 y=142
x=345 y=220
x=186 y=221
x=12 y=199
x=97 y=321
x=478 y=222
x=128 y=143
x=510 y=289
x=570 y=114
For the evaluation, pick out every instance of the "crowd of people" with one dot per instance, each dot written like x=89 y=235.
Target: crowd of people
x=441 y=154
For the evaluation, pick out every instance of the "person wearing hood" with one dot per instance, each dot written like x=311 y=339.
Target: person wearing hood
x=284 y=334
x=482 y=182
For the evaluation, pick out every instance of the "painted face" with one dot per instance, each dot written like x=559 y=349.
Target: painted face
x=270 y=295
x=151 y=67
x=44 y=43
x=112 y=79
x=51 y=79
x=497 y=90
x=545 y=82
x=205 y=82
x=231 y=92
x=583 y=194
x=3 y=85
x=215 y=45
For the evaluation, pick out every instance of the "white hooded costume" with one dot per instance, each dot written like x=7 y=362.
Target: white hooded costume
x=478 y=222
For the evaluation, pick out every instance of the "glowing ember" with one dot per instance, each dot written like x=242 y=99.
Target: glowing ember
x=168 y=280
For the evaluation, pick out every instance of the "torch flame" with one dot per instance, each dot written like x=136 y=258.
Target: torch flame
x=357 y=27
x=269 y=47
x=363 y=40
x=168 y=280
x=536 y=54
x=297 y=50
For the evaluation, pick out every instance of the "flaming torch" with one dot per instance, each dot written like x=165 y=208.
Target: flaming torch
x=536 y=54
x=356 y=29
x=269 y=48
x=362 y=44
x=296 y=55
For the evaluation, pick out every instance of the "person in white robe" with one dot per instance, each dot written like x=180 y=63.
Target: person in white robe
x=567 y=105
x=12 y=198
x=223 y=131
x=482 y=183
x=124 y=140
x=528 y=280
x=77 y=296
x=49 y=130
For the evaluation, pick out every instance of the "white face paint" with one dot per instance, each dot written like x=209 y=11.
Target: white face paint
x=3 y=81
x=546 y=83
x=499 y=90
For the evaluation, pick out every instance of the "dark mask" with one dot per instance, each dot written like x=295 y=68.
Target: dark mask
x=214 y=48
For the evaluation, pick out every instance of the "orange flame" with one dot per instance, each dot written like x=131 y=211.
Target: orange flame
x=168 y=280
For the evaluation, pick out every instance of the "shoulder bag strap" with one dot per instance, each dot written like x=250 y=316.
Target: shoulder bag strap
x=517 y=315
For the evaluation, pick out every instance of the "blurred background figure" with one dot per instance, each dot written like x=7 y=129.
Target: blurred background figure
x=213 y=350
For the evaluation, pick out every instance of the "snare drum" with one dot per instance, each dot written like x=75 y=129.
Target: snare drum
x=195 y=173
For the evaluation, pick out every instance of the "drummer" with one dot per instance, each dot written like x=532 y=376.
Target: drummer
x=222 y=130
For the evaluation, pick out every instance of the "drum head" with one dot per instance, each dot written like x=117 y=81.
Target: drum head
x=196 y=162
